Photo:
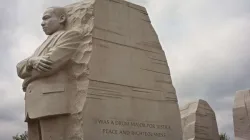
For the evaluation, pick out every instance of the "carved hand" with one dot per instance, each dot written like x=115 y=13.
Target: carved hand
x=42 y=64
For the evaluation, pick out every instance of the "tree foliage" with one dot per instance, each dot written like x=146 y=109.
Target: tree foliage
x=224 y=136
x=23 y=136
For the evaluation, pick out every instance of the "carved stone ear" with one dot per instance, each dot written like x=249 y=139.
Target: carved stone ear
x=63 y=19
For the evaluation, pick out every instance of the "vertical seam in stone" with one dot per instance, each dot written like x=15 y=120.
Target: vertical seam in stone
x=246 y=105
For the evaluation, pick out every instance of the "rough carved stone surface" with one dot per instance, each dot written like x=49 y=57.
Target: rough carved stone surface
x=241 y=115
x=199 y=122
x=123 y=86
x=130 y=92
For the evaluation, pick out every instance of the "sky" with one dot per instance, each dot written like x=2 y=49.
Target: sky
x=205 y=41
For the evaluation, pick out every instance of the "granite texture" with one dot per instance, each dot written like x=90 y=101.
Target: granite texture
x=199 y=121
x=241 y=115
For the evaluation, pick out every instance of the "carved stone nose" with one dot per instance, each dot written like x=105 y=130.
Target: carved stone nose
x=42 y=24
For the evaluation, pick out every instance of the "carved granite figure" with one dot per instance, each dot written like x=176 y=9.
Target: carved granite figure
x=241 y=115
x=49 y=78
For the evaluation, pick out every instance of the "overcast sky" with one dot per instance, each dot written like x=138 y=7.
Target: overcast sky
x=206 y=43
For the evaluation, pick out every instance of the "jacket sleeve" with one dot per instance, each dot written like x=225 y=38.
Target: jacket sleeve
x=64 y=49
x=61 y=53
x=22 y=69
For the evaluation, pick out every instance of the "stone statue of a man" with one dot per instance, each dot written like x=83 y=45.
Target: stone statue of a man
x=49 y=80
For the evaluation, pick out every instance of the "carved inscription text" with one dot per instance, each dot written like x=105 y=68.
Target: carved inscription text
x=131 y=128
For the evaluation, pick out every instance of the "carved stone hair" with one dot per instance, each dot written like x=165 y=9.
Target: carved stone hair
x=59 y=11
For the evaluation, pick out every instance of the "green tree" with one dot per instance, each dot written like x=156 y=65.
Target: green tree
x=23 y=136
x=223 y=136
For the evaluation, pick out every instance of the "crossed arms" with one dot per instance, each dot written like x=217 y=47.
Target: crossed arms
x=57 y=56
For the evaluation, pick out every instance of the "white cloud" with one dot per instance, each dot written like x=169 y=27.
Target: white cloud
x=206 y=44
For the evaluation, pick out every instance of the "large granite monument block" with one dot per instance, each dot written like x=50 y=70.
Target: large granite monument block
x=117 y=84
x=241 y=115
x=130 y=94
x=199 y=122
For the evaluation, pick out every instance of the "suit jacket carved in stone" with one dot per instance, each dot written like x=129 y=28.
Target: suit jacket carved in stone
x=49 y=93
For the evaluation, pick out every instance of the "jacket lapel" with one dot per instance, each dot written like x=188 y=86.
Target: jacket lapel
x=43 y=46
x=46 y=43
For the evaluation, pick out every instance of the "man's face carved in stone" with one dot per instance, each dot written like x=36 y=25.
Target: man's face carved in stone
x=52 y=22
